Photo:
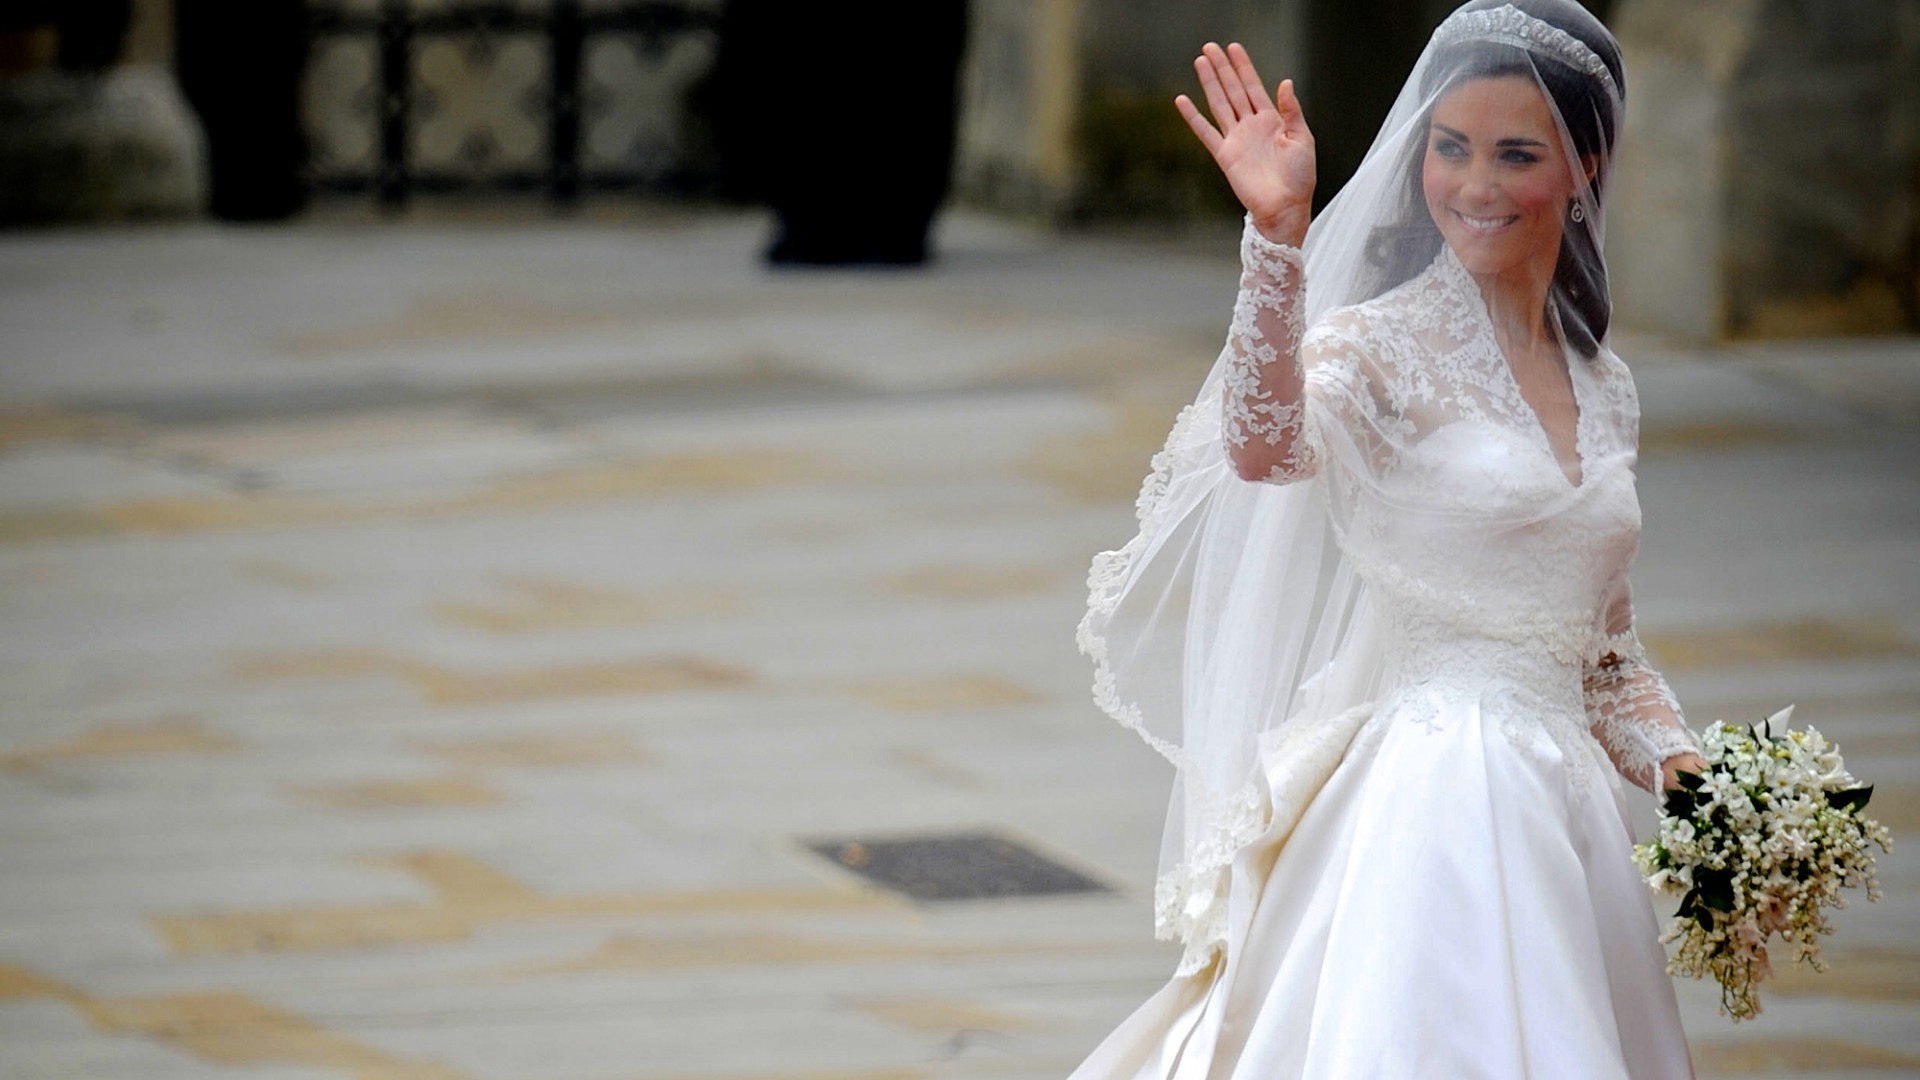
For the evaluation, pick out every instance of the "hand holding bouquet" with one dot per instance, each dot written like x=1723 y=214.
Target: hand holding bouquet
x=1758 y=843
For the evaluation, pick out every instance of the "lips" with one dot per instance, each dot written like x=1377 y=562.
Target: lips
x=1483 y=226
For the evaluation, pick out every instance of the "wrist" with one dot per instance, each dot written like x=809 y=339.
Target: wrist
x=1673 y=765
x=1287 y=228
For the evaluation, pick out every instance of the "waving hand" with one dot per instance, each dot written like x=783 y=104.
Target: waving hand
x=1262 y=144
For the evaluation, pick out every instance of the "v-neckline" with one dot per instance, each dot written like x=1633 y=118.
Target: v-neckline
x=1579 y=416
x=1477 y=303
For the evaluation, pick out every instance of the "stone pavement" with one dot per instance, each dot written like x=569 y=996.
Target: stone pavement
x=469 y=650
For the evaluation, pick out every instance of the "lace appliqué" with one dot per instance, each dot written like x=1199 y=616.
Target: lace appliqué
x=1633 y=712
x=1467 y=615
x=1264 y=386
x=1192 y=903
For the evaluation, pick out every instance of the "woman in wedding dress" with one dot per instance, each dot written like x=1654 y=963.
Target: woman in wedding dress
x=1377 y=614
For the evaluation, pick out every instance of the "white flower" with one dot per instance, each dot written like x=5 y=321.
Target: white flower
x=1666 y=882
x=1762 y=823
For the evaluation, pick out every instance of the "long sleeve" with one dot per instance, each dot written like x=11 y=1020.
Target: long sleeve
x=1265 y=421
x=1630 y=708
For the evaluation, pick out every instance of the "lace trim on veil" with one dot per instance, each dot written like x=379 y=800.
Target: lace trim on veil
x=1189 y=900
x=1107 y=576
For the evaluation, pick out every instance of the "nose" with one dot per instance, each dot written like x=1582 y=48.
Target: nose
x=1480 y=187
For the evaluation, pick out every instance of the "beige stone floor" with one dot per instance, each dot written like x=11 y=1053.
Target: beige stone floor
x=426 y=647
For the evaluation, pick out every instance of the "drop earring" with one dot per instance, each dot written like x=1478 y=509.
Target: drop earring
x=1576 y=213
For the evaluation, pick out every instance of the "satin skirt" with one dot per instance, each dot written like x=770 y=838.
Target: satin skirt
x=1441 y=908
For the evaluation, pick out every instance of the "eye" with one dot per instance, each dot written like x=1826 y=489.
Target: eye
x=1520 y=157
x=1447 y=148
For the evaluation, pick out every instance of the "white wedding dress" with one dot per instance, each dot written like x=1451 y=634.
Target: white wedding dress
x=1457 y=899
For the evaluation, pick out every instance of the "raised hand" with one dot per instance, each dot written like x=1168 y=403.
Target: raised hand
x=1262 y=144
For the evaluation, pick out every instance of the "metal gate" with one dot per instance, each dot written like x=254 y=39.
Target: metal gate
x=410 y=95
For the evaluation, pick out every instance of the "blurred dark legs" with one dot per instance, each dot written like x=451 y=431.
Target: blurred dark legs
x=239 y=63
x=841 y=117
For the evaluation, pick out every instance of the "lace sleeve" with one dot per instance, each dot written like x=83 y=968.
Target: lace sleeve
x=1265 y=423
x=1630 y=708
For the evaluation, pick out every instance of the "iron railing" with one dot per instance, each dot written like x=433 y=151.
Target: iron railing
x=397 y=95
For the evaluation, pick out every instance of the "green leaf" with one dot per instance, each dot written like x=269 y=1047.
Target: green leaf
x=1702 y=915
x=1715 y=888
x=1853 y=798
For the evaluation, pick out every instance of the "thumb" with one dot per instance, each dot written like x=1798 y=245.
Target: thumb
x=1292 y=120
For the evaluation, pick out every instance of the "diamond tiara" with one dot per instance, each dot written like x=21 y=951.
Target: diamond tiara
x=1511 y=26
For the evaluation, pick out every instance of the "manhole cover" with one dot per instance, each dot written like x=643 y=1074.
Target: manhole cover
x=955 y=867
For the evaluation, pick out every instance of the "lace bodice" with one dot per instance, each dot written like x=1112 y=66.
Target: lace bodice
x=1493 y=558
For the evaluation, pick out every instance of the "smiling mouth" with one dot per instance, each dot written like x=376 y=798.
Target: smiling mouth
x=1485 y=224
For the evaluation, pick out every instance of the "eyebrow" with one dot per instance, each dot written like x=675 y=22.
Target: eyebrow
x=1452 y=134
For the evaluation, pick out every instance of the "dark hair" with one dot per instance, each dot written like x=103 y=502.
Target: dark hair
x=1579 y=289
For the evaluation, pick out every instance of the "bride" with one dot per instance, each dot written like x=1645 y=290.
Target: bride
x=1377 y=613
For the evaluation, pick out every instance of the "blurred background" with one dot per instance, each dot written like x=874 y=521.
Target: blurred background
x=544 y=538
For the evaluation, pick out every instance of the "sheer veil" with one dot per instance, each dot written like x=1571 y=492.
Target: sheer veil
x=1242 y=632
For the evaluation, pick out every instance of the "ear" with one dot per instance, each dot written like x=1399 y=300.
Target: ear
x=1591 y=163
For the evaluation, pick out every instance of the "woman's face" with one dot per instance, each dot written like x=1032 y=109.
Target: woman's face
x=1495 y=179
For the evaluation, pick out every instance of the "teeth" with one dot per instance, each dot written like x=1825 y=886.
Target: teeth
x=1487 y=223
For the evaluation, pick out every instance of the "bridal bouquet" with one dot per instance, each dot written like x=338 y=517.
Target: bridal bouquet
x=1757 y=843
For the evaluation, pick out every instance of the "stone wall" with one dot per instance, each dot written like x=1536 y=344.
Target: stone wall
x=1770 y=173
x=105 y=140
x=1068 y=104
x=1018 y=100
x=98 y=146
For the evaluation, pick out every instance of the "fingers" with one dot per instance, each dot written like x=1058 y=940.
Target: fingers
x=1250 y=83
x=1229 y=79
x=1208 y=137
x=1217 y=102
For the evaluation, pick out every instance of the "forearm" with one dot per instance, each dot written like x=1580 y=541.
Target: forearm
x=1634 y=714
x=1264 y=386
